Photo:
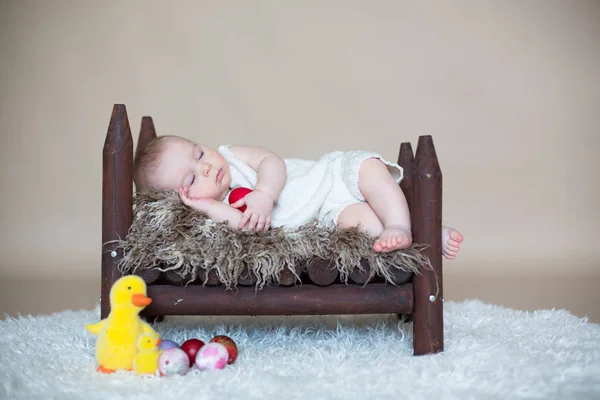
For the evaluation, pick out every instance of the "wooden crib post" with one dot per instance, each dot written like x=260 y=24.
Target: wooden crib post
x=147 y=133
x=428 y=329
x=117 y=197
x=406 y=160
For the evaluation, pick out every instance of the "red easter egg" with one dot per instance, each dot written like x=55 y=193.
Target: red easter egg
x=191 y=347
x=237 y=194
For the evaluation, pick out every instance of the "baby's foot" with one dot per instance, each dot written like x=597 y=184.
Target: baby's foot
x=451 y=240
x=392 y=239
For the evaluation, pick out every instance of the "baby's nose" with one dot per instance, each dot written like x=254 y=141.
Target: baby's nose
x=206 y=169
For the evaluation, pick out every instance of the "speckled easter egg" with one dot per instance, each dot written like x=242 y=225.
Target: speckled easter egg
x=173 y=361
x=212 y=356
x=167 y=344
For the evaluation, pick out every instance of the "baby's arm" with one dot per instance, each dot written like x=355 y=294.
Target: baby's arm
x=214 y=209
x=269 y=167
x=271 y=173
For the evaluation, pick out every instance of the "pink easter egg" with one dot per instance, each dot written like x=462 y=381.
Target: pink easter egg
x=212 y=356
x=173 y=361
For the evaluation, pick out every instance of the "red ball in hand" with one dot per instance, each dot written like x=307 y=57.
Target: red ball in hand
x=238 y=193
x=191 y=348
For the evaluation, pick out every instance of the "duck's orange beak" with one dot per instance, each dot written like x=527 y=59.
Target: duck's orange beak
x=157 y=342
x=139 y=300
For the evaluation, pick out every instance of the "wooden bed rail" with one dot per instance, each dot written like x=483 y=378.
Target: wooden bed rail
x=376 y=298
x=421 y=298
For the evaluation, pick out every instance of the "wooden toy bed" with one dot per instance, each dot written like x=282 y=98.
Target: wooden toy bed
x=419 y=297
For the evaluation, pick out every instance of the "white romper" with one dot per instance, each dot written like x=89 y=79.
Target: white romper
x=318 y=189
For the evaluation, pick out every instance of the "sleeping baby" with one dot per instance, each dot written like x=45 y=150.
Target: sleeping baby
x=344 y=189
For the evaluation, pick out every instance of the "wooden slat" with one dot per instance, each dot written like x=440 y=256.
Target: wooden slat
x=400 y=276
x=277 y=300
x=321 y=272
x=175 y=278
x=117 y=197
x=287 y=278
x=358 y=276
x=427 y=229
x=247 y=277
x=212 y=278
x=149 y=275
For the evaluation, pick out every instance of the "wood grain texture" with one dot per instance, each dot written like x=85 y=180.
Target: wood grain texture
x=321 y=272
x=427 y=229
x=147 y=133
x=287 y=277
x=117 y=197
x=278 y=300
x=361 y=277
x=406 y=160
x=149 y=275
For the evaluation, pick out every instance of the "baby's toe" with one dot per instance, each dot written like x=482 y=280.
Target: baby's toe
x=450 y=251
x=453 y=246
x=456 y=236
x=377 y=246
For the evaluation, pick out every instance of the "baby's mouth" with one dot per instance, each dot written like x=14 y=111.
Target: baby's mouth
x=219 y=175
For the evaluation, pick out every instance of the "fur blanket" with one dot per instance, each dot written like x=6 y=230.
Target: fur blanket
x=168 y=236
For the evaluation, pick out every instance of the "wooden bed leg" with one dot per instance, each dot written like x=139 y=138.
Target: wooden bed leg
x=406 y=160
x=428 y=327
x=117 y=197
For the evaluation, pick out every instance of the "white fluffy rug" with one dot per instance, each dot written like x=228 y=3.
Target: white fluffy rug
x=491 y=353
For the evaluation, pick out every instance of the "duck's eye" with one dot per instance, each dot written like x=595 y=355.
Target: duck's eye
x=128 y=287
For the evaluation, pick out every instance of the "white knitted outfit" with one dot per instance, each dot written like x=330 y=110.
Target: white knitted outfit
x=318 y=189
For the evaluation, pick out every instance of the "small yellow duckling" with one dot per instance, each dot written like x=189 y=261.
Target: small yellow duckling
x=146 y=361
x=118 y=333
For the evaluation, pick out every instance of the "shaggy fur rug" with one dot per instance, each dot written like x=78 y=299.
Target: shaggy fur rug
x=168 y=236
x=491 y=352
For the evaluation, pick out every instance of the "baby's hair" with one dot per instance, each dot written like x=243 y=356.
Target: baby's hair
x=146 y=162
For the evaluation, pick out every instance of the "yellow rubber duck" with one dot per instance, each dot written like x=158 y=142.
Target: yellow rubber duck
x=146 y=361
x=118 y=333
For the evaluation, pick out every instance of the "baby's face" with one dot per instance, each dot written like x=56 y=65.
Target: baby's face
x=200 y=168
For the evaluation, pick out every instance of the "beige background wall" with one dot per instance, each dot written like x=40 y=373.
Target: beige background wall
x=510 y=91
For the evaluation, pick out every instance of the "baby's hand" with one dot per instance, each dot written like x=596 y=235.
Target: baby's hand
x=201 y=205
x=259 y=207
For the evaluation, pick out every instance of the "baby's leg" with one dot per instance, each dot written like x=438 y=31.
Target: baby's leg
x=361 y=215
x=386 y=199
